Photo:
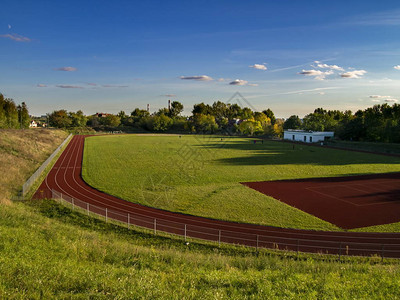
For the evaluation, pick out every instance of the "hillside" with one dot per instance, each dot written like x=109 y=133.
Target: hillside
x=48 y=251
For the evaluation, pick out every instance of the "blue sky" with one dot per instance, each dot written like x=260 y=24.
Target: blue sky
x=290 y=56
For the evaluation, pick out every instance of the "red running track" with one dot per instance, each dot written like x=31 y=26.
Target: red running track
x=65 y=178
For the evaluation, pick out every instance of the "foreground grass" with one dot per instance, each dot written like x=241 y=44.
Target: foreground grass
x=50 y=252
x=201 y=175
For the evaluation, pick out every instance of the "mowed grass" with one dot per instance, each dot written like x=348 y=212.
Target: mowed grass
x=201 y=175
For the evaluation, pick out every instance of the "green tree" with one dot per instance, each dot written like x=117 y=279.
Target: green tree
x=60 y=119
x=176 y=109
x=269 y=113
x=111 y=120
x=293 y=122
x=23 y=115
x=204 y=123
x=160 y=123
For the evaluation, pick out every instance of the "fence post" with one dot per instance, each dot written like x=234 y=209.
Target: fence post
x=383 y=250
x=155 y=226
x=257 y=243
x=129 y=218
x=185 y=232
x=219 y=237
x=298 y=246
x=340 y=250
x=106 y=215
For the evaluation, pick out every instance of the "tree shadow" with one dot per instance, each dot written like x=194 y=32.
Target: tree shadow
x=283 y=153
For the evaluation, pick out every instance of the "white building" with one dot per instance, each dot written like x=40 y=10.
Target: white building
x=32 y=124
x=307 y=136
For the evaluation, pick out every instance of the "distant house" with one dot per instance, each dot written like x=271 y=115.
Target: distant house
x=307 y=136
x=32 y=124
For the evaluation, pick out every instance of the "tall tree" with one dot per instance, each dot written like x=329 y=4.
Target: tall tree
x=293 y=122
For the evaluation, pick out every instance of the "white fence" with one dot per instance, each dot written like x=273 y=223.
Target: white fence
x=311 y=244
x=28 y=184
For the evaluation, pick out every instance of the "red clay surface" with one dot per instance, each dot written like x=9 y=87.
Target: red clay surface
x=65 y=178
x=348 y=202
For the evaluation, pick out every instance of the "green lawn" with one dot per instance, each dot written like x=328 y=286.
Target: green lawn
x=201 y=175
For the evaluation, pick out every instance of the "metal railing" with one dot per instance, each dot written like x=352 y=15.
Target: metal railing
x=307 y=244
x=28 y=184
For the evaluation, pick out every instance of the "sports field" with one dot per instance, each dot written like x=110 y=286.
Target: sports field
x=201 y=175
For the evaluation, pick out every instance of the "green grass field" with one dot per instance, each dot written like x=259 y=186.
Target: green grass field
x=201 y=175
x=48 y=251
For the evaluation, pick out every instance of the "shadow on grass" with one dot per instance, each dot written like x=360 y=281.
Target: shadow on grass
x=279 y=153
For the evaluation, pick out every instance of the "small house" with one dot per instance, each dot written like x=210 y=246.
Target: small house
x=307 y=136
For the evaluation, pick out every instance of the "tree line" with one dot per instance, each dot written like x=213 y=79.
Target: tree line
x=216 y=118
x=380 y=123
x=12 y=115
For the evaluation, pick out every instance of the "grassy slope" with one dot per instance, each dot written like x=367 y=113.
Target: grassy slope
x=47 y=251
x=21 y=153
x=202 y=175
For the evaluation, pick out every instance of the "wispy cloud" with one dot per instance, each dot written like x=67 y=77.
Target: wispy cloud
x=169 y=95
x=391 y=100
x=41 y=85
x=378 y=96
x=197 y=77
x=64 y=86
x=114 y=86
x=391 y=18
x=353 y=74
x=397 y=67
x=15 y=37
x=66 y=69
x=252 y=84
x=91 y=83
x=258 y=67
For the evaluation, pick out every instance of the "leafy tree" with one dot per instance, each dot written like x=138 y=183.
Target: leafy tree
x=176 y=109
x=202 y=108
x=293 y=122
x=159 y=123
x=23 y=115
x=78 y=119
x=60 y=119
x=250 y=127
x=269 y=113
x=139 y=114
x=111 y=120
x=204 y=123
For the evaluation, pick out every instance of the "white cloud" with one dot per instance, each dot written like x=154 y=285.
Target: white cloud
x=41 y=85
x=397 y=67
x=252 y=84
x=64 y=86
x=91 y=83
x=9 y=26
x=258 y=67
x=321 y=93
x=378 y=96
x=197 y=77
x=332 y=67
x=238 y=82
x=318 y=74
x=169 y=95
x=353 y=74
x=376 y=100
x=15 y=37
x=221 y=79
x=66 y=69
x=114 y=86
x=391 y=100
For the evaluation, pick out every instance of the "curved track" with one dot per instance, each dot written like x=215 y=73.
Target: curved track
x=65 y=178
